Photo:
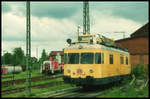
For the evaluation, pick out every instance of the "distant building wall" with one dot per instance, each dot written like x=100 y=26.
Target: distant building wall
x=137 y=45
x=135 y=59
x=138 y=48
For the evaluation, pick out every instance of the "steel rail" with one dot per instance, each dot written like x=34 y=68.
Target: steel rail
x=58 y=92
x=15 y=90
x=18 y=81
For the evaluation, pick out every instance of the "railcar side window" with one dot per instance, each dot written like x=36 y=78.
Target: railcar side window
x=111 y=59
x=127 y=60
x=102 y=58
x=99 y=58
x=87 y=58
x=65 y=59
x=121 y=60
x=73 y=58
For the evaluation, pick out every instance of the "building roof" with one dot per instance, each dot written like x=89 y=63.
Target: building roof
x=123 y=39
x=137 y=43
x=143 y=31
x=53 y=53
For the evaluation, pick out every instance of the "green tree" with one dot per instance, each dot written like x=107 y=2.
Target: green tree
x=18 y=56
x=7 y=58
x=44 y=57
x=2 y=59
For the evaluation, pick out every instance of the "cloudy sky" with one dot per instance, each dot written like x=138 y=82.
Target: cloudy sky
x=54 y=22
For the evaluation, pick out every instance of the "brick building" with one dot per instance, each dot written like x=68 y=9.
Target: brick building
x=137 y=45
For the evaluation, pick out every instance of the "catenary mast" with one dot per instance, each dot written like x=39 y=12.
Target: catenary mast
x=28 y=49
x=86 y=18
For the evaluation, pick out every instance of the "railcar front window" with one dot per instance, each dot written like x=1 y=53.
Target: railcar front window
x=98 y=58
x=87 y=58
x=65 y=59
x=73 y=58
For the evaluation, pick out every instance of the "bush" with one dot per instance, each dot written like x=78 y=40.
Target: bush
x=139 y=70
x=35 y=66
x=146 y=70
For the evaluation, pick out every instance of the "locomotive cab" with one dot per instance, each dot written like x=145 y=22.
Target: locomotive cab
x=46 y=67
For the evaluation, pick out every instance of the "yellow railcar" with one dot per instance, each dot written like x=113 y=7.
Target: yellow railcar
x=94 y=59
x=95 y=64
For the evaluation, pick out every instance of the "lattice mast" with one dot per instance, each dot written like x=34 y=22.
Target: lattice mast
x=86 y=18
x=28 y=49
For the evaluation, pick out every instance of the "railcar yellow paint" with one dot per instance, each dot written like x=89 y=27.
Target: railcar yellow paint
x=100 y=70
x=85 y=70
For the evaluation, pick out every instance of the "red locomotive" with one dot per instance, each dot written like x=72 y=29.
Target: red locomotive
x=52 y=65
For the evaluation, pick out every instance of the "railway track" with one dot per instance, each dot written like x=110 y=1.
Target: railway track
x=15 y=90
x=72 y=92
x=8 y=83
x=7 y=77
x=77 y=92
x=58 y=92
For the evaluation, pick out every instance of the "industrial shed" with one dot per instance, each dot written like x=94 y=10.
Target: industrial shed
x=137 y=45
x=54 y=53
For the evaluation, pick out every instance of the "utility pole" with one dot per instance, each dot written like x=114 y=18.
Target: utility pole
x=86 y=18
x=28 y=50
x=78 y=33
x=14 y=70
x=37 y=52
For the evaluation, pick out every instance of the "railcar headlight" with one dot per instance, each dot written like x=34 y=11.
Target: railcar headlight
x=80 y=46
x=69 y=70
x=91 y=71
x=83 y=73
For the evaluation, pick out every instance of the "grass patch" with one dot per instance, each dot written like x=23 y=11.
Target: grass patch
x=22 y=75
x=140 y=70
x=129 y=92
x=32 y=83
x=36 y=92
x=125 y=90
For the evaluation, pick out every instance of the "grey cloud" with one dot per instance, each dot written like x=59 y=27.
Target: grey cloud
x=13 y=38
x=44 y=9
x=5 y=7
x=17 y=8
x=55 y=9
x=137 y=11
x=130 y=10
